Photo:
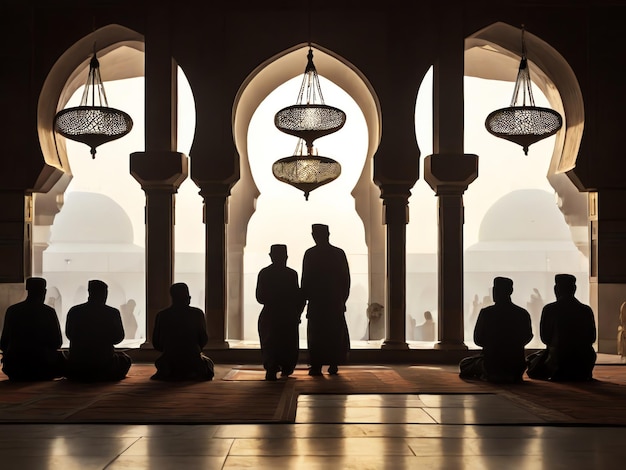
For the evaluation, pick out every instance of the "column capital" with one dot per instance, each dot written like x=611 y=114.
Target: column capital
x=395 y=203
x=448 y=173
x=395 y=192
x=211 y=189
x=159 y=169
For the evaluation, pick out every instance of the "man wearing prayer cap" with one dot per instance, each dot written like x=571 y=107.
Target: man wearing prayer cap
x=278 y=290
x=326 y=286
x=502 y=330
x=568 y=329
x=31 y=337
x=93 y=329
x=180 y=334
x=322 y=229
x=36 y=284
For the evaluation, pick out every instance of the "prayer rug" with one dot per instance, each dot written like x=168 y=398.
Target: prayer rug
x=137 y=399
x=239 y=394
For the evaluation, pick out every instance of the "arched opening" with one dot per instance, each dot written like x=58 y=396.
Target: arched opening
x=532 y=189
x=91 y=224
x=282 y=203
x=531 y=218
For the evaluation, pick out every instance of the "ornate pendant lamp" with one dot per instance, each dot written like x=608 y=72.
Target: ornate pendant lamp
x=89 y=123
x=308 y=120
x=306 y=172
x=525 y=124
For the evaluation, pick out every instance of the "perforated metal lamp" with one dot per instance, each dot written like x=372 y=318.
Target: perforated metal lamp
x=308 y=120
x=93 y=124
x=525 y=124
x=306 y=172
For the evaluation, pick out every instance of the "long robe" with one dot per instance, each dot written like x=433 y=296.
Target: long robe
x=502 y=330
x=30 y=340
x=93 y=329
x=568 y=329
x=326 y=286
x=278 y=291
x=180 y=334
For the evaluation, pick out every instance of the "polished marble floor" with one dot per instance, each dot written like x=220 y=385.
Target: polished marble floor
x=482 y=431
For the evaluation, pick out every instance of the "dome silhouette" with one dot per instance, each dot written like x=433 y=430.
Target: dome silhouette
x=525 y=214
x=91 y=218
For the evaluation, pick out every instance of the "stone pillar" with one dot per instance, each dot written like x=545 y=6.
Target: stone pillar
x=607 y=275
x=160 y=175
x=215 y=218
x=15 y=244
x=396 y=216
x=160 y=169
x=449 y=175
x=15 y=236
x=449 y=171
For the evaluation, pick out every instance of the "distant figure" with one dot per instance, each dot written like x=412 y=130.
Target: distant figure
x=621 y=332
x=426 y=331
x=502 y=329
x=31 y=337
x=477 y=306
x=535 y=304
x=375 y=321
x=180 y=334
x=93 y=329
x=279 y=292
x=128 y=318
x=55 y=300
x=326 y=286
x=534 y=307
x=568 y=329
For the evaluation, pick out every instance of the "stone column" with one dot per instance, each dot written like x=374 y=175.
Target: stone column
x=607 y=275
x=15 y=236
x=449 y=171
x=160 y=175
x=15 y=244
x=396 y=216
x=215 y=218
x=449 y=176
x=160 y=169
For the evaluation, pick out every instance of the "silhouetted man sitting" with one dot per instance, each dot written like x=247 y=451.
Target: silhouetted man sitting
x=31 y=337
x=503 y=330
x=326 y=286
x=568 y=329
x=180 y=334
x=93 y=329
x=278 y=290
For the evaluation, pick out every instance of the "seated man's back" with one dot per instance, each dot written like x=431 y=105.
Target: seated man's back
x=180 y=334
x=93 y=329
x=31 y=337
x=502 y=330
x=568 y=329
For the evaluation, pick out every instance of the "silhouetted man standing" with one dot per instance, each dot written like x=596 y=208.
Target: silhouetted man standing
x=93 y=329
x=326 y=286
x=278 y=290
x=31 y=337
x=180 y=334
x=502 y=330
x=568 y=329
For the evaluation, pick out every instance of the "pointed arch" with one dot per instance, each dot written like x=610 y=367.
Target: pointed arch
x=494 y=53
x=258 y=85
